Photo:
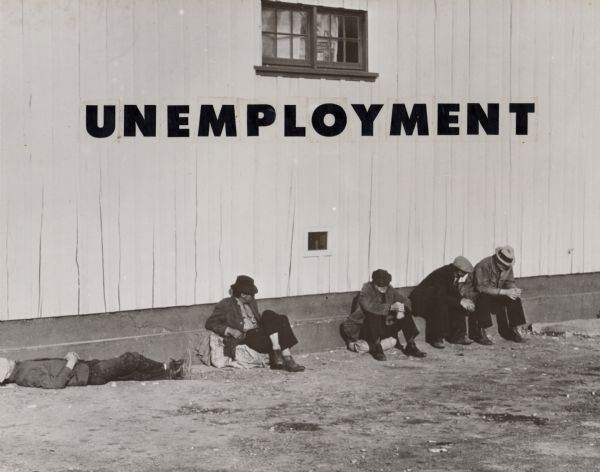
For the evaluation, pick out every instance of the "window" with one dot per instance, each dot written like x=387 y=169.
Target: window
x=317 y=241
x=310 y=41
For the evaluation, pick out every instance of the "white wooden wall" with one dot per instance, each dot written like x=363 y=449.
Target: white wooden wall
x=90 y=225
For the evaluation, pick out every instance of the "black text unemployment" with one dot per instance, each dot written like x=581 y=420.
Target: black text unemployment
x=327 y=119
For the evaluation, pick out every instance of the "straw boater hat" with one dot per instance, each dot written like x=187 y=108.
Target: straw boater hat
x=505 y=256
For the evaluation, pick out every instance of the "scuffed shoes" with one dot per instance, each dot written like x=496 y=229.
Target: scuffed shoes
x=377 y=352
x=177 y=369
x=276 y=360
x=290 y=365
x=515 y=336
x=411 y=349
x=462 y=340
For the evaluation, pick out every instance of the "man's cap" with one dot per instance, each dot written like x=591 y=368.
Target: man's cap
x=462 y=263
x=381 y=278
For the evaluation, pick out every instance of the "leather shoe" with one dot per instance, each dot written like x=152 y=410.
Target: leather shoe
x=412 y=350
x=483 y=340
x=463 y=340
x=290 y=365
x=276 y=359
x=438 y=344
x=516 y=336
x=176 y=369
x=377 y=352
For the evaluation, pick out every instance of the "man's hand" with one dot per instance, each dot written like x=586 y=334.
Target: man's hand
x=467 y=304
x=397 y=306
x=236 y=333
x=72 y=358
x=512 y=293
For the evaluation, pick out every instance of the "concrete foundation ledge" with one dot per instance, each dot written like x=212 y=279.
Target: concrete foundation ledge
x=168 y=332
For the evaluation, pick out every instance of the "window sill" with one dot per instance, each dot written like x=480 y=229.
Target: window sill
x=334 y=74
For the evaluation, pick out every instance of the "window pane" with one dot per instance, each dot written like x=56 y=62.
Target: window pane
x=284 y=46
x=284 y=21
x=299 y=24
x=322 y=25
x=323 y=52
x=337 y=26
x=337 y=51
x=268 y=45
x=352 y=52
x=268 y=19
x=299 y=48
x=351 y=26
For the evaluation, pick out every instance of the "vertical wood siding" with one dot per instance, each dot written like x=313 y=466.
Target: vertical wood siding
x=92 y=225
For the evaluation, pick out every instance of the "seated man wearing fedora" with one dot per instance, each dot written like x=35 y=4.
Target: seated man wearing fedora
x=494 y=282
x=238 y=318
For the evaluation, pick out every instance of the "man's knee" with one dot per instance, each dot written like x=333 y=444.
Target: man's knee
x=273 y=318
x=350 y=331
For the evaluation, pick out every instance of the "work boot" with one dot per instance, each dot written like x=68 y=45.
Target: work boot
x=515 y=336
x=290 y=365
x=437 y=343
x=377 y=352
x=176 y=369
x=463 y=340
x=276 y=359
x=412 y=350
x=482 y=338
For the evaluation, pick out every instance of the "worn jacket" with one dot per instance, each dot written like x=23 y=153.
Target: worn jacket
x=441 y=283
x=369 y=302
x=488 y=278
x=49 y=373
x=227 y=313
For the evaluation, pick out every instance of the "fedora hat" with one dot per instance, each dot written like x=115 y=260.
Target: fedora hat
x=244 y=284
x=505 y=256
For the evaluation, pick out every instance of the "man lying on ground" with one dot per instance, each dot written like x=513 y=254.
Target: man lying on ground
x=238 y=320
x=381 y=314
x=74 y=372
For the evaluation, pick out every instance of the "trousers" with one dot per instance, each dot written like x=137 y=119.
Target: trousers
x=374 y=328
x=270 y=323
x=509 y=314
x=442 y=319
x=128 y=366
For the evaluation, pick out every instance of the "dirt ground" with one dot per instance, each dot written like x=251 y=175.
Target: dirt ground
x=508 y=407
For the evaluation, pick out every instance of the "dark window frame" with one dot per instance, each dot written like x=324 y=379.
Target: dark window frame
x=311 y=67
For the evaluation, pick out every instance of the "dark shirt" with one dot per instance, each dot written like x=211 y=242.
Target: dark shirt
x=441 y=283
